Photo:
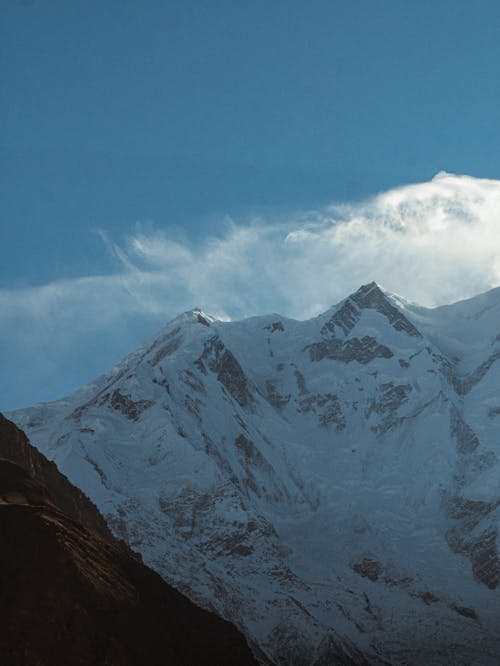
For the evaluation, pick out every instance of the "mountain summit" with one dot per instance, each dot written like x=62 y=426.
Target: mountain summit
x=329 y=485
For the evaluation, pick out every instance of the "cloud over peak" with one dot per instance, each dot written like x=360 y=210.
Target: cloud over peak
x=432 y=243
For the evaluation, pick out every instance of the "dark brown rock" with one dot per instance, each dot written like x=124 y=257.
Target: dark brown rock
x=14 y=446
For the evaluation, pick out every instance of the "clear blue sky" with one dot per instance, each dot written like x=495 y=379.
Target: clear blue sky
x=182 y=112
x=118 y=110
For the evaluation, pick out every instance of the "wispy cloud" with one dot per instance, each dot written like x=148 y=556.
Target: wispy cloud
x=432 y=243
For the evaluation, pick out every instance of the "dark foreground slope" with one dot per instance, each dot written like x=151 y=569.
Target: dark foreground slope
x=15 y=446
x=72 y=595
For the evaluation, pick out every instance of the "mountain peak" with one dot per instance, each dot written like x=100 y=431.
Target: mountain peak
x=196 y=315
x=369 y=293
x=373 y=297
x=369 y=296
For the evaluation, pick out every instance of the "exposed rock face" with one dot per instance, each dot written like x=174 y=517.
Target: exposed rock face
x=362 y=351
x=387 y=404
x=346 y=318
x=229 y=372
x=327 y=407
x=73 y=595
x=122 y=403
x=14 y=446
x=474 y=531
x=475 y=534
x=466 y=439
x=372 y=297
x=329 y=485
x=368 y=567
x=168 y=345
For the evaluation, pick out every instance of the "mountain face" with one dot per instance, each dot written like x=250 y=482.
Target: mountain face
x=72 y=595
x=332 y=486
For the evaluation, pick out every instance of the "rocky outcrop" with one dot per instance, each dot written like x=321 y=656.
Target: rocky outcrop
x=345 y=318
x=362 y=350
x=327 y=407
x=169 y=344
x=387 y=403
x=469 y=536
x=229 y=372
x=369 y=296
x=466 y=439
x=124 y=404
x=368 y=567
x=14 y=446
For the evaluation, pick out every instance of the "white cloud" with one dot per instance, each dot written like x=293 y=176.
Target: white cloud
x=433 y=243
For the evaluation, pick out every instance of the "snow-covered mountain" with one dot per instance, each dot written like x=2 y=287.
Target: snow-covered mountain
x=332 y=486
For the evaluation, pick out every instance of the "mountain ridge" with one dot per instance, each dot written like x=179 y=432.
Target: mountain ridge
x=331 y=484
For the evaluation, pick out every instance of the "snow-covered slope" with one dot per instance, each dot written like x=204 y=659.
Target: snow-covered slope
x=332 y=486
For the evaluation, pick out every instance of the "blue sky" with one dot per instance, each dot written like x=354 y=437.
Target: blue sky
x=175 y=121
